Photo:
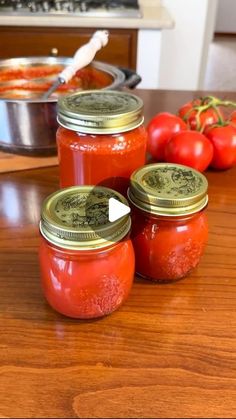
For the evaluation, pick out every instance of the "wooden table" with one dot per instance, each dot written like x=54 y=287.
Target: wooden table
x=168 y=352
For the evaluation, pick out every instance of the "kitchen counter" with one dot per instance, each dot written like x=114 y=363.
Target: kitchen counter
x=147 y=30
x=154 y=16
x=170 y=351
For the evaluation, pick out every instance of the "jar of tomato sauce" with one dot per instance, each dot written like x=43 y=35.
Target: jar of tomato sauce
x=170 y=228
x=87 y=262
x=101 y=138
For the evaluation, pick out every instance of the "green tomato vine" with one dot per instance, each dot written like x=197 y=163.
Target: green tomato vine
x=209 y=102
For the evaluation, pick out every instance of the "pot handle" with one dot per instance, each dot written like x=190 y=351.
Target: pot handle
x=132 y=79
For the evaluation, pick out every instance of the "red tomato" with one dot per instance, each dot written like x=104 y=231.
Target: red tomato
x=206 y=118
x=233 y=118
x=223 y=139
x=160 y=129
x=190 y=148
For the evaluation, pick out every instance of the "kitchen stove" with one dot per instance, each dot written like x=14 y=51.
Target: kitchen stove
x=81 y=8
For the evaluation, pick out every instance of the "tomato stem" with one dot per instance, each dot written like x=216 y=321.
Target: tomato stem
x=200 y=109
x=212 y=100
x=206 y=103
x=228 y=103
x=220 y=119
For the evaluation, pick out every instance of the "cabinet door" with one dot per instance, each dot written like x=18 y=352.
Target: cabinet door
x=35 y=41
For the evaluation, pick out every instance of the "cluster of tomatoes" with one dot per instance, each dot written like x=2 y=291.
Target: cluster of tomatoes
x=199 y=136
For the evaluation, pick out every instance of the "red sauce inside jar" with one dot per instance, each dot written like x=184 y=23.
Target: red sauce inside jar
x=86 y=262
x=108 y=159
x=102 y=139
x=167 y=249
x=87 y=284
x=170 y=228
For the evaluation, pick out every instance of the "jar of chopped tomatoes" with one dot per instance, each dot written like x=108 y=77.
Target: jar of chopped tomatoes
x=170 y=227
x=101 y=138
x=87 y=263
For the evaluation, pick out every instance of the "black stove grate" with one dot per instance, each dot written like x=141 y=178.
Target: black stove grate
x=83 y=7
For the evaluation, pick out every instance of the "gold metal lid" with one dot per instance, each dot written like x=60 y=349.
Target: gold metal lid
x=168 y=189
x=100 y=111
x=77 y=218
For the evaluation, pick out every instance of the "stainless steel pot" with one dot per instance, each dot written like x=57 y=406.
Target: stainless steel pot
x=28 y=126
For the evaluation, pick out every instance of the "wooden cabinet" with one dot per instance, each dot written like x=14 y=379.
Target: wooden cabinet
x=35 y=41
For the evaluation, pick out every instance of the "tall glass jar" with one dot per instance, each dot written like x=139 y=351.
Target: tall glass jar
x=86 y=262
x=101 y=138
x=169 y=223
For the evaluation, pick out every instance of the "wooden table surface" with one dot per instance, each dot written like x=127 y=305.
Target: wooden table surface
x=168 y=352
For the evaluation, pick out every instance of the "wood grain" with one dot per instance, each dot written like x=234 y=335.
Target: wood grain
x=14 y=162
x=170 y=351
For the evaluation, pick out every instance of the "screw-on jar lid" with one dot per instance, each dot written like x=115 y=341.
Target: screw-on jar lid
x=77 y=218
x=100 y=111
x=168 y=189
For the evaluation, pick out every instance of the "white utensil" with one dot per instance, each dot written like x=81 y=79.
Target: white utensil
x=83 y=56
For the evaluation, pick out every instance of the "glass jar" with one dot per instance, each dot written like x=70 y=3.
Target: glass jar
x=86 y=262
x=101 y=140
x=169 y=223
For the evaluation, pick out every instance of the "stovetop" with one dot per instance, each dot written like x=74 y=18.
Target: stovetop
x=82 y=8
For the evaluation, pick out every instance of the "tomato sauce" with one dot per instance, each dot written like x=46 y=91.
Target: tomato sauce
x=23 y=81
x=107 y=160
x=168 y=250
x=169 y=223
x=100 y=143
x=87 y=284
x=86 y=262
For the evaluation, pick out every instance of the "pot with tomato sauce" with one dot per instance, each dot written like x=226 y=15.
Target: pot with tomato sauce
x=169 y=222
x=28 y=122
x=101 y=138
x=87 y=263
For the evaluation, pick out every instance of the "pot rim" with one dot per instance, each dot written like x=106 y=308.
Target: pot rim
x=115 y=72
